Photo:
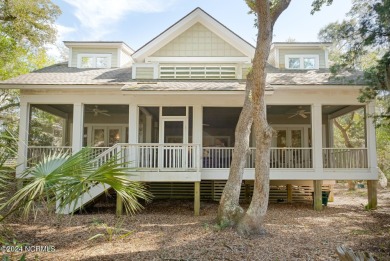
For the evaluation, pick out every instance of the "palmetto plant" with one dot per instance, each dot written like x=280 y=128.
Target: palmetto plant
x=63 y=179
x=8 y=151
x=4 y=176
x=109 y=233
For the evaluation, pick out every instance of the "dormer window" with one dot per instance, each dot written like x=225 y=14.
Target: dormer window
x=302 y=62
x=93 y=60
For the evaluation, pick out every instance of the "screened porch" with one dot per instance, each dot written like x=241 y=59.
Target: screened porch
x=165 y=136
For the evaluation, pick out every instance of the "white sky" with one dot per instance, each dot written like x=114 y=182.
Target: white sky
x=137 y=21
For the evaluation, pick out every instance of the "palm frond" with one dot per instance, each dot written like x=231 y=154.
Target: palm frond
x=65 y=179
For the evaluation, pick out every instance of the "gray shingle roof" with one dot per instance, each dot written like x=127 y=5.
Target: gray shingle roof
x=311 y=77
x=61 y=74
x=195 y=85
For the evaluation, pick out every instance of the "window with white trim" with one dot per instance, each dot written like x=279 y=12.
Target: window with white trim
x=302 y=62
x=198 y=72
x=88 y=60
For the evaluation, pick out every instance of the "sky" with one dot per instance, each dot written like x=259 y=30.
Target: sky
x=136 y=22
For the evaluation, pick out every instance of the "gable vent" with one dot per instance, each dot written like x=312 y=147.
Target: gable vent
x=197 y=72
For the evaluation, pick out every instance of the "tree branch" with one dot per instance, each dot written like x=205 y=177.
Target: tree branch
x=277 y=8
x=6 y=16
x=10 y=105
x=317 y=4
x=343 y=131
x=350 y=121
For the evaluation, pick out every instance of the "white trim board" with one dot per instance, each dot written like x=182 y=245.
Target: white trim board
x=198 y=59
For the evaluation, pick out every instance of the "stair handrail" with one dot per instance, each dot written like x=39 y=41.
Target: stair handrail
x=79 y=203
x=116 y=147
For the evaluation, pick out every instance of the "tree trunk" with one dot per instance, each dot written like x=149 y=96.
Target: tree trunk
x=351 y=184
x=347 y=142
x=346 y=254
x=252 y=221
x=344 y=130
x=229 y=210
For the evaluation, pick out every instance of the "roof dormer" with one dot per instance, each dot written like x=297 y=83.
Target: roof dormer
x=86 y=54
x=196 y=47
x=299 y=55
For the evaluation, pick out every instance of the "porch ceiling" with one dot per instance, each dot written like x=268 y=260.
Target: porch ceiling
x=285 y=109
x=217 y=117
x=52 y=108
x=330 y=109
x=110 y=108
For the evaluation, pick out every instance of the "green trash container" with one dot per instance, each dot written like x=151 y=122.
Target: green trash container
x=325 y=197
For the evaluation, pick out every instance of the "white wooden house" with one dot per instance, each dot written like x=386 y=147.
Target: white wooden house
x=173 y=104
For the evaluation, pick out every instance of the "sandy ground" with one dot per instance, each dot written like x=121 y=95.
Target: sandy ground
x=167 y=230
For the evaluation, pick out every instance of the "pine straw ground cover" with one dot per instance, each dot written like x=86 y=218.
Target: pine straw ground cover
x=167 y=230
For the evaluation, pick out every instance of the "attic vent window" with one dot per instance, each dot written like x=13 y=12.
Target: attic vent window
x=197 y=72
x=302 y=62
x=89 y=60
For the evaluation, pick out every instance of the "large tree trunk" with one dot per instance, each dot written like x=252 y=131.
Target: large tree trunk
x=252 y=221
x=229 y=210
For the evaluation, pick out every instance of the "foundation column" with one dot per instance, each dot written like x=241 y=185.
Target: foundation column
x=119 y=205
x=372 y=194
x=289 y=193
x=196 y=198
x=317 y=197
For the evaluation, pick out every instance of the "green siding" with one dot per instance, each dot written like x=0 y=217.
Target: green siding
x=112 y=51
x=144 y=73
x=198 y=41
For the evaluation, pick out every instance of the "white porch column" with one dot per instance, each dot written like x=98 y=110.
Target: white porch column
x=78 y=127
x=133 y=124
x=197 y=131
x=371 y=140
x=330 y=133
x=133 y=133
x=23 y=137
x=316 y=134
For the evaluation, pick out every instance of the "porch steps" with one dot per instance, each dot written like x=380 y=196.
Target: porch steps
x=94 y=191
x=85 y=199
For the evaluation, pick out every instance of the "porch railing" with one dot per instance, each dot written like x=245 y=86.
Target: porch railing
x=220 y=157
x=291 y=158
x=345 y=158
x=188 y=157
x=152 y=156
x=35 y=154
x=217 y=157
x=98 y=150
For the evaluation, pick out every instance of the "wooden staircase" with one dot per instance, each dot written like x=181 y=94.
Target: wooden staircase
x=95 y=191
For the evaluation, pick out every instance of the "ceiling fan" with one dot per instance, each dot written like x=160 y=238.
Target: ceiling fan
x=96 y=111
x=301 y=112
